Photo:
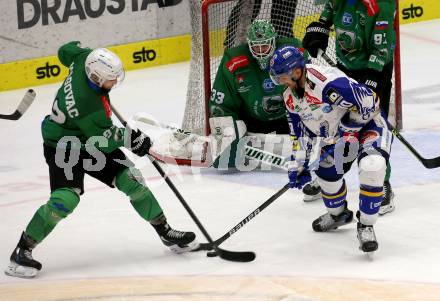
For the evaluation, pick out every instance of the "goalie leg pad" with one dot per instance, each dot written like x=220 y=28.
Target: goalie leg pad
x=131 y=182
x=226 y=133
x=62 y=202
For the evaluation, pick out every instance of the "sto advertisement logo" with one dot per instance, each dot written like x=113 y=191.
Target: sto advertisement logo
x=144 y=55
x=48 y=71
x=412 y=12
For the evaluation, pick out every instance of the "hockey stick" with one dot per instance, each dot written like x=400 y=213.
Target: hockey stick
x=233 y=230
x=25 y=103
x=222 y=253
x=428 y=163
x=263 y=156
x=255 y=212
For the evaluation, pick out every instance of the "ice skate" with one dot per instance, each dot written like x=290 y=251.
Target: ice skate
x=312 y=191
x=367 y=239
x=388 y=199
x=21 y=262
x=329 y=222
x=177 y=241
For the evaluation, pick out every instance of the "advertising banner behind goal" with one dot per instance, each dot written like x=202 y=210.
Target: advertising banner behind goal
x=36 y=28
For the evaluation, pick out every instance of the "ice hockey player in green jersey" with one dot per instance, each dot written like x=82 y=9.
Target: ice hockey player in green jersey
x=80 y=131
x=244 y=99
x=365 y=42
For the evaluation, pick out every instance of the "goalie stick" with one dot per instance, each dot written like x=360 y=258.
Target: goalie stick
x=263 y=156
x=427 y=162
x=25 y=103
x=222 y=253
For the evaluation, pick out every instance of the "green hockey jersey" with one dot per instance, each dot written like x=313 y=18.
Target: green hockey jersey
x=362 y=41
x=80 y=109
x=244 y=91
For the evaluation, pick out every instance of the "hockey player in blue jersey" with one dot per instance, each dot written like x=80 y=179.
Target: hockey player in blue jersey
x=343 y=116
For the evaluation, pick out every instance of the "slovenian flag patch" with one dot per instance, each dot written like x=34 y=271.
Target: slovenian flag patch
x=381 y=25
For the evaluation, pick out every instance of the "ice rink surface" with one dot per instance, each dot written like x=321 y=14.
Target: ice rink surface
x=105 y=239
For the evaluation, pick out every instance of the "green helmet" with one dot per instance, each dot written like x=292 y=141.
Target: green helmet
x=261 y=40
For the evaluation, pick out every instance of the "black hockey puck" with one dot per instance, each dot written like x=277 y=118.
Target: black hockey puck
x=211 y=254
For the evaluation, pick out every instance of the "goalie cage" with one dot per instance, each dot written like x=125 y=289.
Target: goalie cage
x=217 y=25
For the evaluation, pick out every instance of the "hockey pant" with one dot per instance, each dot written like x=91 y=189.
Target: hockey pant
x=372 y=153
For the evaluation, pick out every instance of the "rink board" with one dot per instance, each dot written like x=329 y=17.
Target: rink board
x=46 y=70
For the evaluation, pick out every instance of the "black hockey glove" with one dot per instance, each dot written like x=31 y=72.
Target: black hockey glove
x=316 y=37
x=140 y=143
x=372 y=79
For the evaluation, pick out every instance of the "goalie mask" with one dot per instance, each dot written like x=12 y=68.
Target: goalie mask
x=261 y=40
x=102 y=65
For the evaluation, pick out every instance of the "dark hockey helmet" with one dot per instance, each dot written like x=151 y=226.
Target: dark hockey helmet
x=284 y=61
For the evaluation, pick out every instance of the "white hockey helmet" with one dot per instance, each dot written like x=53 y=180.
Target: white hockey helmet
x=102 y=65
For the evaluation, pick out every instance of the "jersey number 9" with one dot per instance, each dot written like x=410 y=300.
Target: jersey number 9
x=57 y=115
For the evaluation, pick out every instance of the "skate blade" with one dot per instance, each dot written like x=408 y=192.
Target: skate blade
x=16 y=270
x=386 y=209
x=188 y=248
x=310 y=198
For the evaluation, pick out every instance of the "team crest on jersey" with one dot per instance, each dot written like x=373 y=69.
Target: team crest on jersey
x=347 y=19
x=369 y=136
x=107 y=108
x=347 y=40
x=268 y=85
x=273 y=104
x=333 y=96
x=237 y=62
x=317 y=74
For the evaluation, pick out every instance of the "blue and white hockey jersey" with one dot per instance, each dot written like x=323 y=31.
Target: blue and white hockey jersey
x=329 y=96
